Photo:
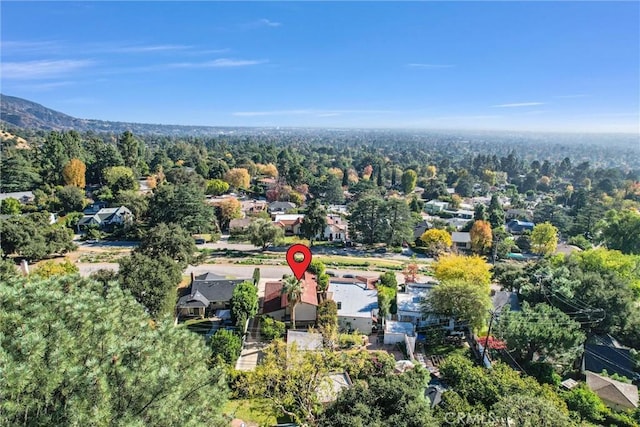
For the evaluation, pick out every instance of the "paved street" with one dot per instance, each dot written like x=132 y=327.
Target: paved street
x=239 y=271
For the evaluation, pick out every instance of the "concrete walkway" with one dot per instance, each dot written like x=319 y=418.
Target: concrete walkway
x=250 y=356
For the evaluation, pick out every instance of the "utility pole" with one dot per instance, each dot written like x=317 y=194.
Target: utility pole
x=486 y=341
x=494 y=252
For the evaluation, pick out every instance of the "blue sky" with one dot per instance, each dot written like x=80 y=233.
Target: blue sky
x=565 y=66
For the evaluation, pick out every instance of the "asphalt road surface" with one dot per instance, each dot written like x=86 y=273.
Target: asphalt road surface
x=239 y=271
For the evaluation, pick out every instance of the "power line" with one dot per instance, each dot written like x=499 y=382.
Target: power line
x=611 y=362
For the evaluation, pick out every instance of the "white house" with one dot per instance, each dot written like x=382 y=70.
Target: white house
x=290 y=223
x=357 y=304
x=410 y=306
x=337 y=229
x=107 y=218
x=435 y=206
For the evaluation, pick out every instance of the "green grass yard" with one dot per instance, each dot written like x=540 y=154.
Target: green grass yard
x=255 y=411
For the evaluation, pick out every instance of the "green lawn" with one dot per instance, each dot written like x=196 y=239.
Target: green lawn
x=251 y=410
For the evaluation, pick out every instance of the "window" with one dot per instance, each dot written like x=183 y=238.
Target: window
x=339 y=304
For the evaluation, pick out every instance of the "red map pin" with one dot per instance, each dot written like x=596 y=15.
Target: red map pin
x=298 y=267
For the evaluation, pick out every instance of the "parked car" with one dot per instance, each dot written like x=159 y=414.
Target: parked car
x=381 y=250
x=348 y=276
x=331 y=273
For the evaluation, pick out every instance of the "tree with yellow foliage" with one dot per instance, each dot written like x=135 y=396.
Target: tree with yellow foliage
x=470 y=269
x=436 y=241
x=544 y=239
x=74 y=172
x=269 y=170
x=481 y=237
x=238 y=178
x=52 y=268
x=227 y=210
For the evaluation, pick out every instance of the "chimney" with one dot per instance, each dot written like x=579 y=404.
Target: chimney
x=24 y=266
x=193 y=277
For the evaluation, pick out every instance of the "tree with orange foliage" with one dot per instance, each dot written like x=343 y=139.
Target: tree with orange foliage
x=481 y=237
x=366 y=173
x=410 y=273
x=74 y=172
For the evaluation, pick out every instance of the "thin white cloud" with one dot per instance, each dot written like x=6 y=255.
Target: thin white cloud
x=269 y=23
x=43 y=87
x=42 y=69
x=150 y=48
x=26 y=47
x=218 y=63
x=430 y=66
x=518 y=104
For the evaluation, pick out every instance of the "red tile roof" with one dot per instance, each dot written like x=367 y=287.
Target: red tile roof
x=275 y=300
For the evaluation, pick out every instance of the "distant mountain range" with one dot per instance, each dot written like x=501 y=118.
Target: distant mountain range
x=21 y=113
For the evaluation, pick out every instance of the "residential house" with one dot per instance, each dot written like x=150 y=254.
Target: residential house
x=23 y=197
x=95 y=207
x=461 y=240
x=338 y=209
x=420 y=229
x=290 y=223
x=518 y=227
x=208 y=292
x=276 y=303
x=457 y=223
x=435 y=206
x=410 y=306
x=106 y=219
x=605 y=353
x=357 y=303
x=615 y=394
x=239 y=225
x=253 y=207
x=279 y=208
x=461 y=213
x=337 y=229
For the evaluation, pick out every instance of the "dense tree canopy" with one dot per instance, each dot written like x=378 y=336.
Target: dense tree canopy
x=540 y=331
x=98 y=359
x=32 y=237
x=263 y=233
x=244 y=303
x=184 y=205
x=171 y=241
x=396 y=400
x=152 y=281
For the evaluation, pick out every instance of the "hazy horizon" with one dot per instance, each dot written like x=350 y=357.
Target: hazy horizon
x=503 y=67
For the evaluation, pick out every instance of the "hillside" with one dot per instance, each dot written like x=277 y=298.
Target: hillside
x=21 y=113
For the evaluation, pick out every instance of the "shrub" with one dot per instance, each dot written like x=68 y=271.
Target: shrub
x=271 y=329
x=350 y=340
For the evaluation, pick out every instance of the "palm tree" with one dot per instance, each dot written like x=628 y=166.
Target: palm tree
x=293 y=288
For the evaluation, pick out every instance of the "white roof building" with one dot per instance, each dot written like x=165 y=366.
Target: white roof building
x=357 y=304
